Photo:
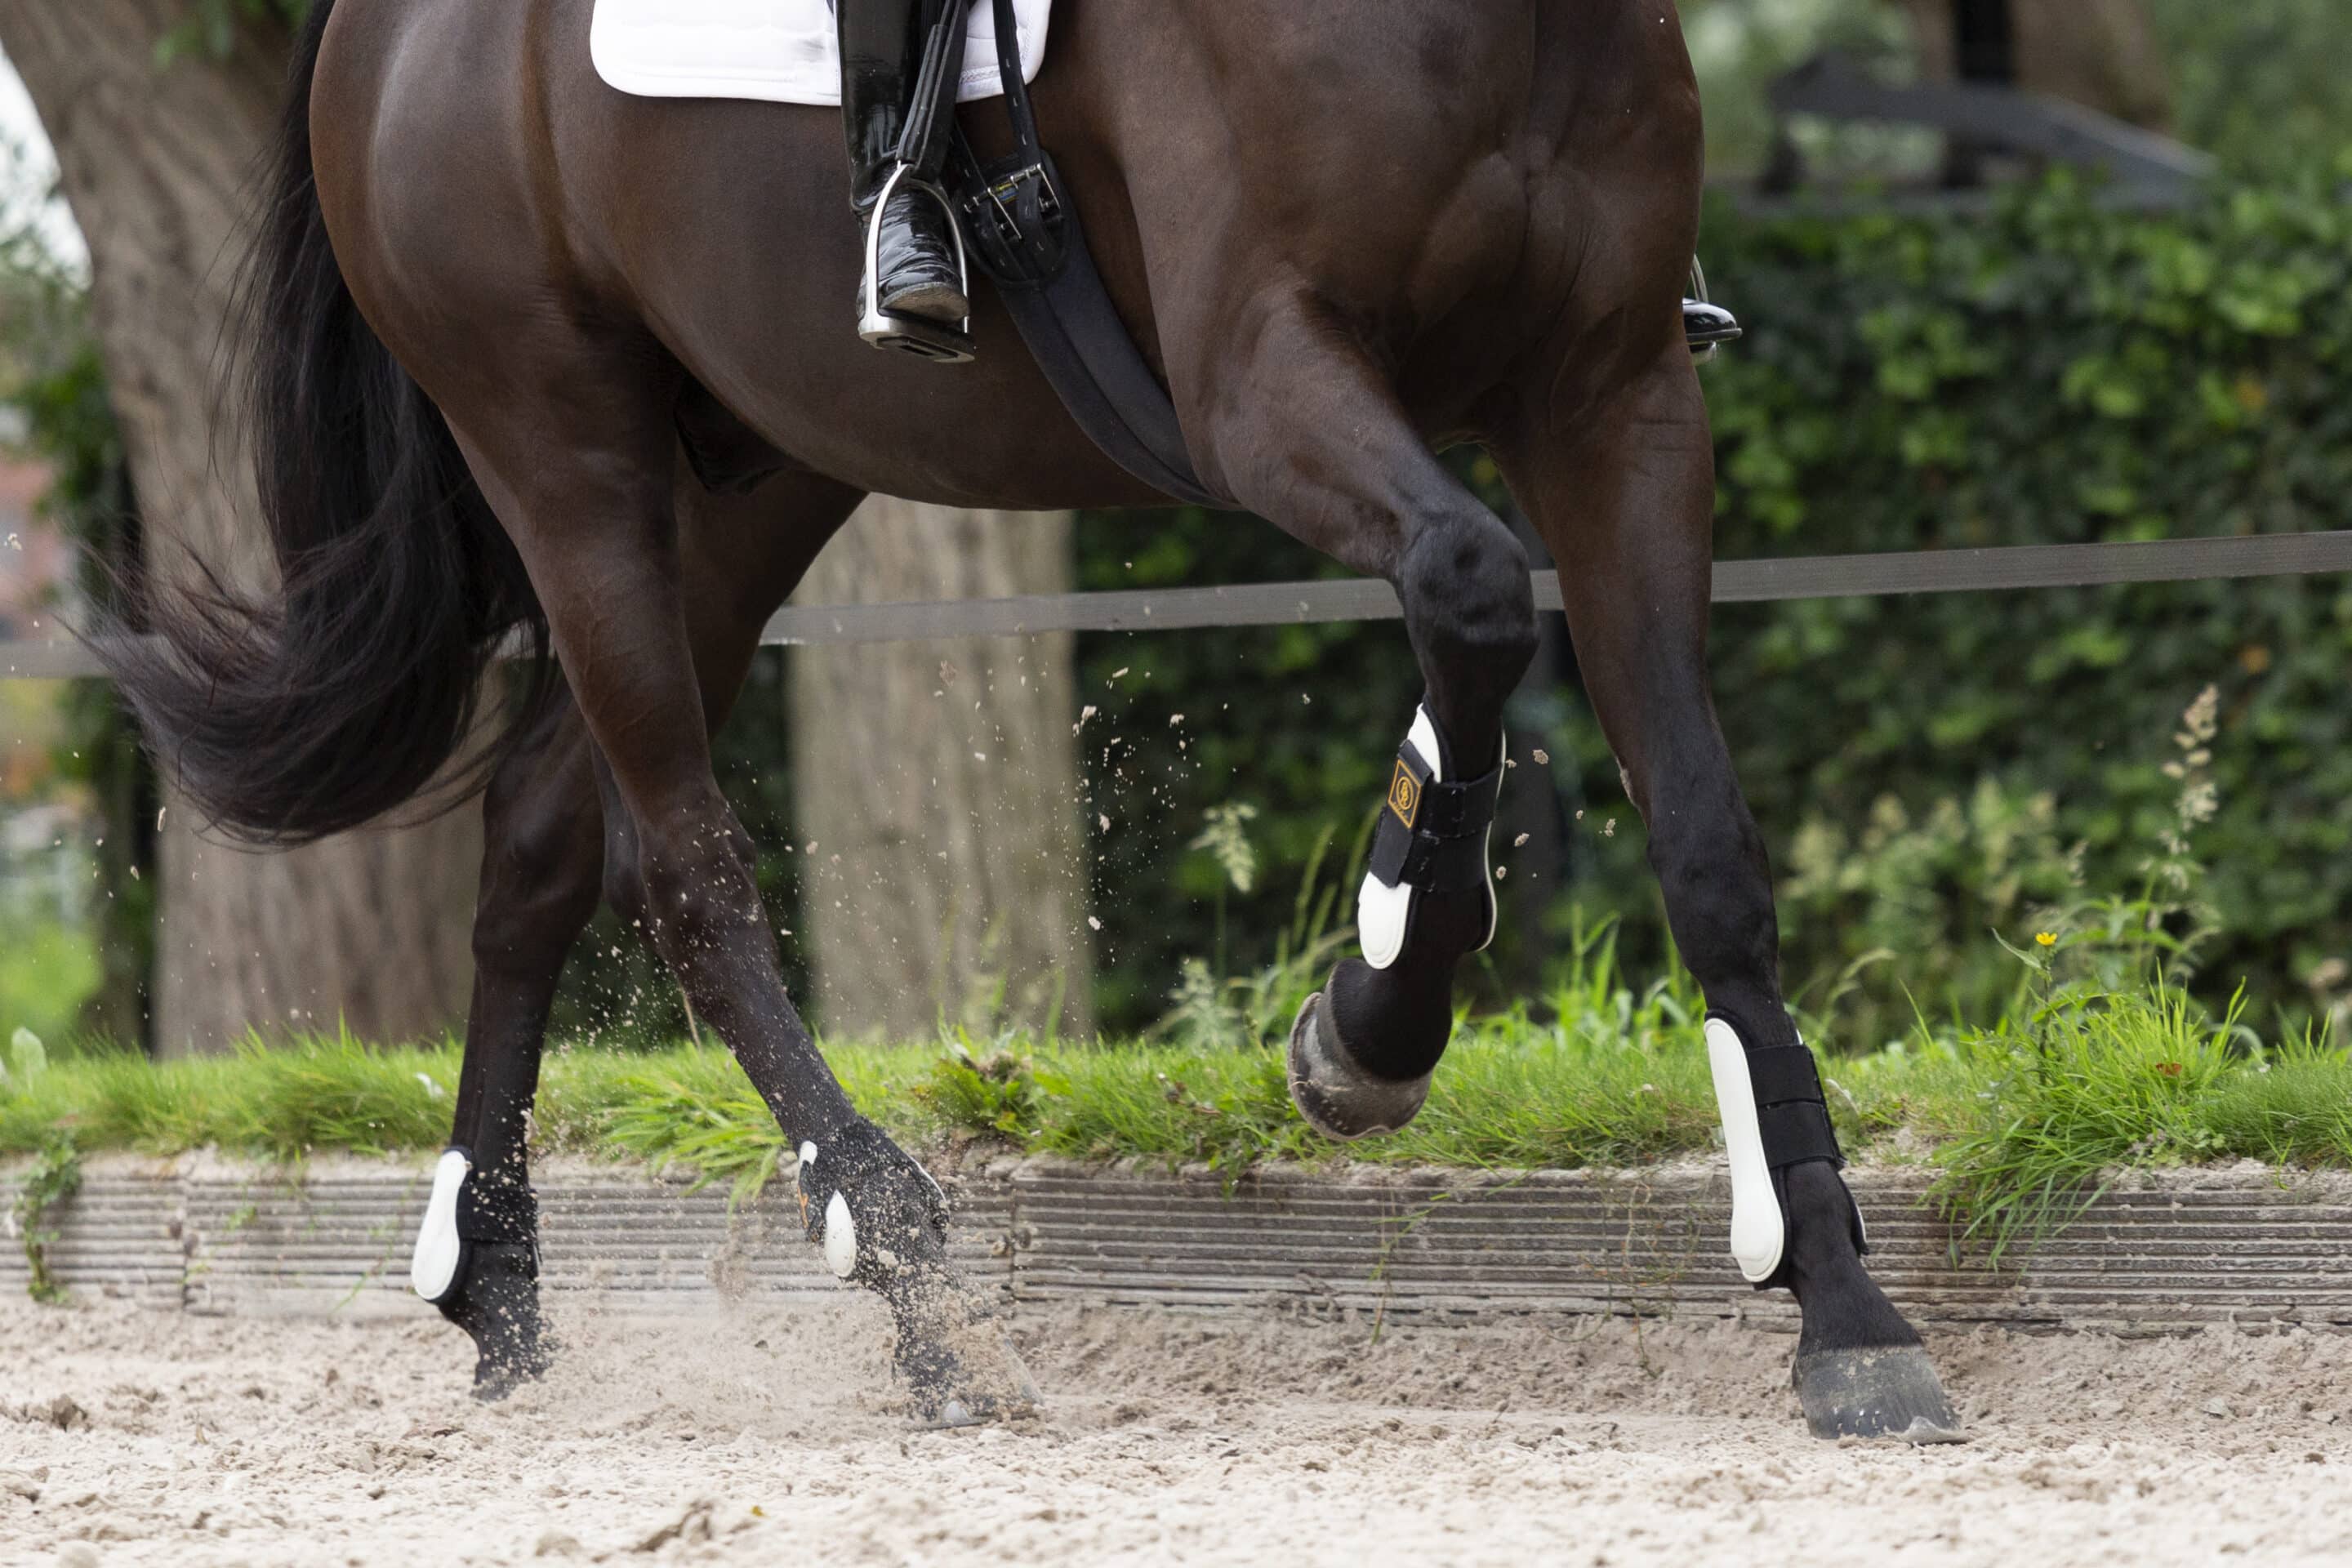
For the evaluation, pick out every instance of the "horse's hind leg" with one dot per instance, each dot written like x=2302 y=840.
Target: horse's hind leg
x=547 y=844
x=1317 y=443
x=1623 y=492
x=477 y=1253
x=582 y=484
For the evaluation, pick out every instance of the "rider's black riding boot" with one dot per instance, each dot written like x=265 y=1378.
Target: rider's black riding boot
x=881 y=54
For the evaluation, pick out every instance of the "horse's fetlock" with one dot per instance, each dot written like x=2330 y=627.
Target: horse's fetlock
x=1820 y=1220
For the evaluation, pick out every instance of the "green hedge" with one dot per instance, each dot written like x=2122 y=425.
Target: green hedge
x=2050 y=372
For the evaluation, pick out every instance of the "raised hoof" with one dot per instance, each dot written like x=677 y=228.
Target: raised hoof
x=1335 y=1096
x=1891 y=1393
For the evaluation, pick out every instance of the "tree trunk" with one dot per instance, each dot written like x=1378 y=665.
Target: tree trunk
x=938 y=784
x=374 y=926
x=2102 y=54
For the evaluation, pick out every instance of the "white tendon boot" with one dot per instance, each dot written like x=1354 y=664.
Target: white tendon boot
x=1774 y=1119
x=434 y=1269
x=1859 y=1372
x=476 y=1259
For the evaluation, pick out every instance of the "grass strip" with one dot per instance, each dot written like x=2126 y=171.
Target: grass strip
x=2022 y=1120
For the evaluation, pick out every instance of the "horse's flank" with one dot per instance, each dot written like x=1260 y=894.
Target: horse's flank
x=1463 y=191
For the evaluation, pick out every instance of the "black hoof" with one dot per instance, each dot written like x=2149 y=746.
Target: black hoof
x=958 y=1367
x=1335 y=1096
x=959 y=1396
x=495 y=1380
x=498 y=1306
x=1892 y=1394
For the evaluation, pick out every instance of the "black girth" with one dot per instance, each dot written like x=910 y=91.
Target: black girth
x=1022 y=229
x=1020 y=224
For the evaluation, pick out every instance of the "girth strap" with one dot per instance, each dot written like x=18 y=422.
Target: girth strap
x=1026 y=235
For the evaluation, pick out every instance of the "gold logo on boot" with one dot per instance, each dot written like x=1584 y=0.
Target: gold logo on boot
x=1404 y=795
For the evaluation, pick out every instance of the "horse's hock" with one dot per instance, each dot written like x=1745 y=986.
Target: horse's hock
x=2158 y=1253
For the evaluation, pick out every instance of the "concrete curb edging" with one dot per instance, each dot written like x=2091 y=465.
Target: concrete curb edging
x=2158 y=1253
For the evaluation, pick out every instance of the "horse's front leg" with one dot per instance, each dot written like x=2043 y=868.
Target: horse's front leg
x=1317 y=443
x=574 y=444
x=1622 y=491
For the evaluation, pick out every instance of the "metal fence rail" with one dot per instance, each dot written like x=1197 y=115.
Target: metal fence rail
x=2006 y=568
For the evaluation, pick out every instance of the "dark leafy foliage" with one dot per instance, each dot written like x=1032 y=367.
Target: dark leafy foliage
x=2052 y=372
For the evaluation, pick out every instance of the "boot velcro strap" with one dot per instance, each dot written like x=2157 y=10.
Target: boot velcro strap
x=1797 y=1134
x=1432 y=835
x=1791 y=1110
x=1780 y=1073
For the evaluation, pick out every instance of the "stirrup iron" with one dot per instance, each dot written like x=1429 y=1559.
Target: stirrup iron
x=1706 y=326
x=924 y=339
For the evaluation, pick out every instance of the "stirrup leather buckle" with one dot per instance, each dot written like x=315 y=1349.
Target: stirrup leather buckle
x=925 y=339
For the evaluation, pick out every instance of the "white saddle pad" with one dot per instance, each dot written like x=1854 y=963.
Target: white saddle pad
x=777 y=51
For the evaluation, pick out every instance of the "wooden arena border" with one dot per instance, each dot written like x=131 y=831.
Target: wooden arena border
x=2159 y=1253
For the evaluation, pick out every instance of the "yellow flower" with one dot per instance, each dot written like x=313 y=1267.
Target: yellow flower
x=2045 y=938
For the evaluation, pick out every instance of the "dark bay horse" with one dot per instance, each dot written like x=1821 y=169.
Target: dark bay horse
x=532 y=356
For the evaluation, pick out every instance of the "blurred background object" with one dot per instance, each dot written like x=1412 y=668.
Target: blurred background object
x=1961 y=332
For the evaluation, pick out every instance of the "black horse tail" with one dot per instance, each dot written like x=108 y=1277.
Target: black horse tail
x=349 y=692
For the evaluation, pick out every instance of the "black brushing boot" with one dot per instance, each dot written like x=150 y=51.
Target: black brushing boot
x=918 y=277
x=1363 y=1049
x=476 y=1259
